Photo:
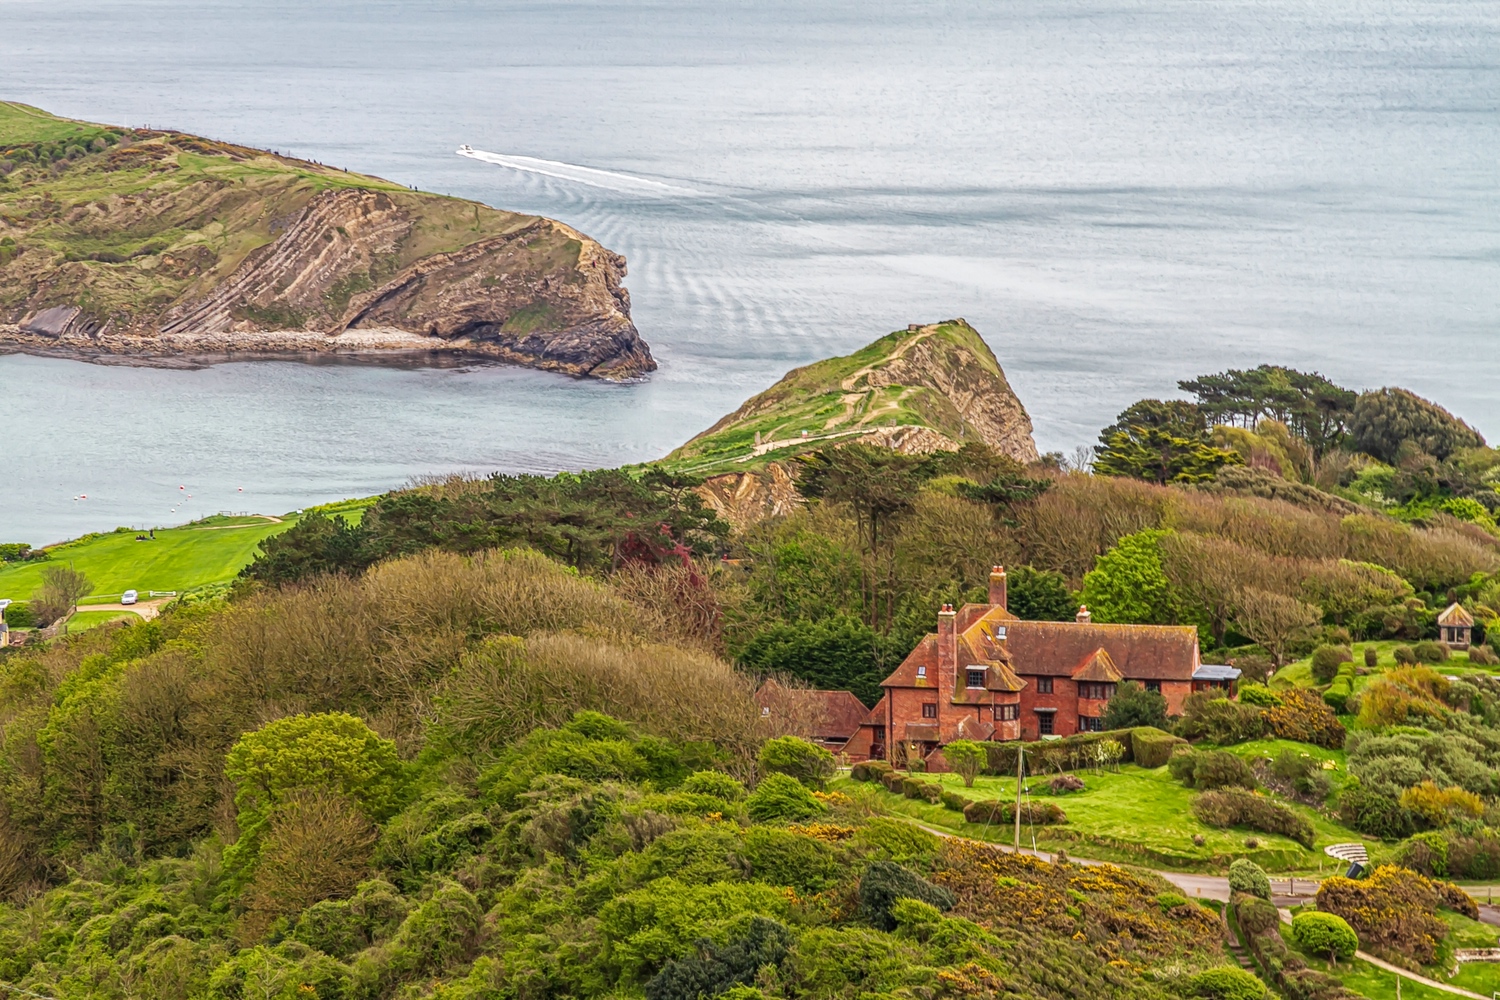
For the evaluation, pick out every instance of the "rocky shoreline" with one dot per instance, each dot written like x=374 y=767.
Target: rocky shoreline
x=169 y=250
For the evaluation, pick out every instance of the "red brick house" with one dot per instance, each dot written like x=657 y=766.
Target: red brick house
x=987 y=675
x=829 y=718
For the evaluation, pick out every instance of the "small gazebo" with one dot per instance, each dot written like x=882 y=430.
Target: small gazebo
x=1454 y=627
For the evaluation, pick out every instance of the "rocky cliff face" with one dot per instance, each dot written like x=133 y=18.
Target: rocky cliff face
x=162 y=245
x=924 y=389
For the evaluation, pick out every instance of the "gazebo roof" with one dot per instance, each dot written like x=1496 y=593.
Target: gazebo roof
x=1456 y=615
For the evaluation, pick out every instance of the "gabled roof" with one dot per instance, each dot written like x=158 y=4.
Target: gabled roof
x=1098 y=667
x=1138 y=652
x=1456 y=615
x=970 y=728
x=832 y=714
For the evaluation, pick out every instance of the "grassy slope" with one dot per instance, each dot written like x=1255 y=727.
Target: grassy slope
x=814 y=399
x=206 y=552
x=200 y=194
x=1299 y=672
x=1136 y=816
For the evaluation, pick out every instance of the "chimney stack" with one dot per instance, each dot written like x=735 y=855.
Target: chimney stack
x=997 y=586
x=1083 y=614
x=947 y=665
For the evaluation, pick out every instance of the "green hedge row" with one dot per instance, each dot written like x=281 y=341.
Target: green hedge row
x=995 y=811
x=1144 y=745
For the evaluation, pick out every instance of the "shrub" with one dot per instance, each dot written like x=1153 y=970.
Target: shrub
x=1218 y=720
x=809 y=764
x=1481 y=656
x=1440 y=806
x=1150 y=747
x=1337 y=695
x=716 y=969
x=1431 y=652
x=780 y=796
x=1426 y=853
x=1237 y=807
x=1394 y=911
x=1254 y=669
x=929 y=791
x=1169 y=901
x=894 y=781
x=1372 y=656
x=1247 y=876
x=1405 y=656
x=1135 y=705
x=954 y=801
x=1258 y=694
x=1034 y=813
x=967 y=759
x=1256 y=915
x=1213 y=769
x=1476 y=856
x=715 y=783
x=895 y=840
x=1221 y=769
x=1064 y=783
x=1302 y=716
x=884 y=882
x=1226 y=983
x=870 y=770
x=19 y=615
x=1325 y=934
x=1325 y=662
x=1374 y=813
x=1302 y=772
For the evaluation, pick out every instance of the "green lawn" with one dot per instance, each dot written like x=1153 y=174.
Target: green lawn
x=92 y=619
x=1299 y=672
x=179 y=559
x=1135 y=815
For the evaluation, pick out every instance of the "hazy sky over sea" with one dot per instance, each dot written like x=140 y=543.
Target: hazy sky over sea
x=1117 y=194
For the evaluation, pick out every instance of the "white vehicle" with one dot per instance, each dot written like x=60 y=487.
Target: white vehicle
x=128 y=597
x=466 y=148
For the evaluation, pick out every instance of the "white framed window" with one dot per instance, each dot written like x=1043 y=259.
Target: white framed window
x=921 y=671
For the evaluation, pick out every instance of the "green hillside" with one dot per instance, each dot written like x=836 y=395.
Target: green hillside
x=196 y=555
x=914 y=378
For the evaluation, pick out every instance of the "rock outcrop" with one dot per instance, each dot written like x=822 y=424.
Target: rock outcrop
x=924 y=389
x=172 y=246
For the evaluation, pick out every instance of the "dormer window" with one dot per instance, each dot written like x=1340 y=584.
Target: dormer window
x=975 y=677
x=1000 y=632
x=921 y=671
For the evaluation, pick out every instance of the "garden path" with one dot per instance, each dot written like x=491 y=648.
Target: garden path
x=1286 y=918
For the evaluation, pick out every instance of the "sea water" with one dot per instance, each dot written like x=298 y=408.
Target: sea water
x=1117 y=194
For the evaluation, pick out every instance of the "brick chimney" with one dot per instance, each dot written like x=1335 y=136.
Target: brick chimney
x=1083 y=614
x=997 y=586
x=947 y=666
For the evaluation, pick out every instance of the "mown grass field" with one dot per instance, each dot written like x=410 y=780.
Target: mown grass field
x=1299 y=672
x=84 y=620
x=211 y=551
x=1134 y=816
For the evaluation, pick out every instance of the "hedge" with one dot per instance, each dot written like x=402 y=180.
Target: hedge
x=915 y=788
x=1002 y=756
x=1150 y=747
x=954 y=801
x=870 y=770
x=1032 y=813
x=894 y=781
x=1337 y=695
x=1237 y=807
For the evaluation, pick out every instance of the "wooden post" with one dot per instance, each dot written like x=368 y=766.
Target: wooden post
x=1020 y=758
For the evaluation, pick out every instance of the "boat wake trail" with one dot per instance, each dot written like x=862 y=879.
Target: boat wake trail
x=607 y=179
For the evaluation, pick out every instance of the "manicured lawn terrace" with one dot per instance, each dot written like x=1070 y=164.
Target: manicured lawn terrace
x=1299 y=672
x=1134 y=816
x=205 y=552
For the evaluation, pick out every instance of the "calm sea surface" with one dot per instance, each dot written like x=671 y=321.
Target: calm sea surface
x=1117 y=194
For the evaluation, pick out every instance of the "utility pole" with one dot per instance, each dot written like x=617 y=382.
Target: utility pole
x=1020 y=759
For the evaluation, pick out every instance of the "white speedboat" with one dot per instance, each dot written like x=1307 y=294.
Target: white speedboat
x=466 y=148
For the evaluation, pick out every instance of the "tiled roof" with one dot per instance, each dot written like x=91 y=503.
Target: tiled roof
x=1456 y=615
x=970 y=728
x=1098 y=667
x=1138 y=652
x=922 y=731
x=877 y=714
x=834 y=714
x=925 y=655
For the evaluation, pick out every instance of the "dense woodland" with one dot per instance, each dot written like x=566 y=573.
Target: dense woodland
x=497 y=739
